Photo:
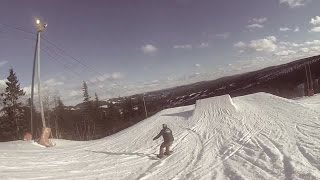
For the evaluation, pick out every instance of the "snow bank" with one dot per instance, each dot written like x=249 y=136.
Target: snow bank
x=259 y=136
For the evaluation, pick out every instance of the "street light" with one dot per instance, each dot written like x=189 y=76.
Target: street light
x=40 y=28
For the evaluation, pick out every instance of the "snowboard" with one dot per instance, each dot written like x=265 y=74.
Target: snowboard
x=165 y=155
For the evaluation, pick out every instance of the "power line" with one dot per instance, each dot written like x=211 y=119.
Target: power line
x=76 y=60
x=17 y=28
x=54 y=45
x=75 y=74
x=61 y=50
x=7 y=33
x=72 y=57
x=47 y=49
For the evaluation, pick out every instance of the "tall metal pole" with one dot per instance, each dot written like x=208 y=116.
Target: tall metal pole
x=145 y=107
x=36 y=62
x=39 y=83
x=32 y=84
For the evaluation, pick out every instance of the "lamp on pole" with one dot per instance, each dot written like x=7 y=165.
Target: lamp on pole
x=36 y=63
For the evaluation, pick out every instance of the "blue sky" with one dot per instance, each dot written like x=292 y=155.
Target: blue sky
x=127 y=47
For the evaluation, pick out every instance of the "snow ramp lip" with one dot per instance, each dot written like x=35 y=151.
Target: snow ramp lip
x=218 y=105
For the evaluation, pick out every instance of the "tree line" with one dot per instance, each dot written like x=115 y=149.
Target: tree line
x=89 y=121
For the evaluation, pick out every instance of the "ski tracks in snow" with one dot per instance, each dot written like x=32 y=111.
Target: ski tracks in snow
x=259 y=136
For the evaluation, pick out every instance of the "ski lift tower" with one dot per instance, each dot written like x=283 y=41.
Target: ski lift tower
x=40 y=27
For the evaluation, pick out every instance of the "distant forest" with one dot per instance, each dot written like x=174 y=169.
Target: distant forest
x=89 y=121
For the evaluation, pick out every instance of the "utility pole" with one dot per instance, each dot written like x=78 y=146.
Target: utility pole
x=32 y=84
x=306 y=70
x=145 y=107
x=36 y=63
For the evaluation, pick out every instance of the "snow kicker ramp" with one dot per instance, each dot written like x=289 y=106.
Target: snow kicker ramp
x=258 y=136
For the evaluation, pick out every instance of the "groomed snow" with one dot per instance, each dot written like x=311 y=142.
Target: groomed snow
x=258 y=136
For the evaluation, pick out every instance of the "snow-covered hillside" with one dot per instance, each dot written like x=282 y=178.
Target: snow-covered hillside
x=258 y=136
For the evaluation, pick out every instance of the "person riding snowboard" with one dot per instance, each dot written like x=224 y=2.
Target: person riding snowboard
x=166 y=133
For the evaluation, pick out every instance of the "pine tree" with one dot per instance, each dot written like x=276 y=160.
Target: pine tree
x=140 y=111
x=96 y=102
x=100 y=129
x=13 y=122
x=86 y=126
x=58 y=111
x=96 y=109
x=87 y=104
x=128 y=109
x=86 y=97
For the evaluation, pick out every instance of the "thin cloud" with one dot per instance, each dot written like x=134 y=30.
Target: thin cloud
x=2 y=63
x=203 y=45
x=256 y=23
x=285 y=53
x=264 y=45
x=294 y=3
x=53 y=82
x=74 y=93
x=240 y=44
x=315 y=21
x=107 y=77
x=117 y=76
x=183 y=46
x=314 y=42
x=284 y=29
x=259 y=20
x=149 y=49
x=315 y=29
x=255 y=26
x=225 y=35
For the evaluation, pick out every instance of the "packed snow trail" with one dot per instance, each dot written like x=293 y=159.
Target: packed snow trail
x=259 y=136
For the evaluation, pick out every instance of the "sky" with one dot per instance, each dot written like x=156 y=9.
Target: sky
x=125 y=47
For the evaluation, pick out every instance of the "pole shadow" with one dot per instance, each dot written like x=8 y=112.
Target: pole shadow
x=151 y=156
x=185 y=114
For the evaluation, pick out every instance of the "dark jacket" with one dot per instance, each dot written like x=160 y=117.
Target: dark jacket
x=166 y=133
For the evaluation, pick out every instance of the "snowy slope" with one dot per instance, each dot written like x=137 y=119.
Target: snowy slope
x=258 y=136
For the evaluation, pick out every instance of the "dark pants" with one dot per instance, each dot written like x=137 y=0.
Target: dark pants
x=165 y=145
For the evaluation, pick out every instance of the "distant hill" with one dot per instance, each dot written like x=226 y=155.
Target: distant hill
x=284 y=80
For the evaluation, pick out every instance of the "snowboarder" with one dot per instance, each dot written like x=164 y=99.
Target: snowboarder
x=166 y=133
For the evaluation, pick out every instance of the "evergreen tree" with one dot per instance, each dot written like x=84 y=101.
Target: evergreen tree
x=58 y=111
x=96 y=102
x=128 y=109
x=87 y=103
x=86 y=97
x=113 y=116
x=86 y=126
x=96 y=109
x=13 y=123
x=101 y=125
x=140 y=110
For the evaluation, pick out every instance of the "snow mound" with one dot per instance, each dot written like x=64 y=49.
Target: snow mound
x=258 y=136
